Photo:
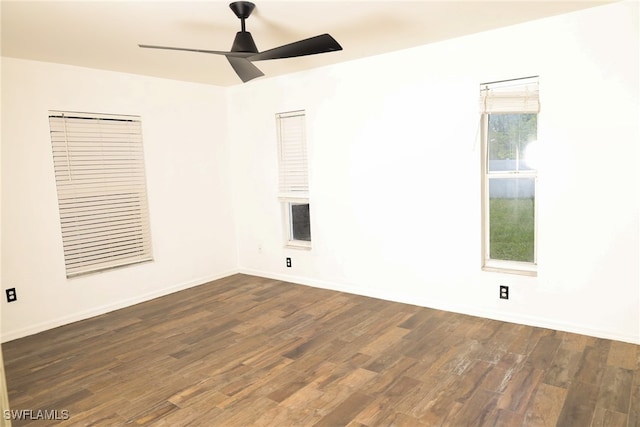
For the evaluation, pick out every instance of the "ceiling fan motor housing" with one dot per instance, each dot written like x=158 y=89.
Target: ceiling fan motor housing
x=244 y=43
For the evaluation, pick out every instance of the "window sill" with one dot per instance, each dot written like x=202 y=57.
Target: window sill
x=298 y=244
x=511 y=267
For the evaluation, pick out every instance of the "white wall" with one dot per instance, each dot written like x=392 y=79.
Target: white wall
x=395 y=174
x=186 y=155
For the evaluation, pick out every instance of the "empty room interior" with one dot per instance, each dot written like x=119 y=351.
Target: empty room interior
x=365 y=213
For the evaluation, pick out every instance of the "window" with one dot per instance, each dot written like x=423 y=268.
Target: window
x=510 y=123
x=102 y=198
x=294 y=178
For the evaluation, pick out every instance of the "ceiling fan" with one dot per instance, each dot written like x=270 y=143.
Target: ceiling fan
x=244 y=50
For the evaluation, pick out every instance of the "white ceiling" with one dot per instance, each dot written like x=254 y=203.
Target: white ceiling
x=105 y=34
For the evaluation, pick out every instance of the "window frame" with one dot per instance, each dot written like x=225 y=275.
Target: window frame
x=500 y=265
x=488 y=263
x=290 y=242
x=295 y=191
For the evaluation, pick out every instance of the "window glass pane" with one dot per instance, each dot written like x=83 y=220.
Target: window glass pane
x=508 y=136
x=511 y=219
x=300 y=224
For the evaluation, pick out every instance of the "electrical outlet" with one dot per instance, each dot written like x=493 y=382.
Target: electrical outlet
x=288 y=262
x=11 y=295
x=504 y=292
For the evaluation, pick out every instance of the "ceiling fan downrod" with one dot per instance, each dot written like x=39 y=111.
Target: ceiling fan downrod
x=243 y=10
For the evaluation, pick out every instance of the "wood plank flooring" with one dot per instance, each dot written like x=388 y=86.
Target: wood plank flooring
x=249 y=351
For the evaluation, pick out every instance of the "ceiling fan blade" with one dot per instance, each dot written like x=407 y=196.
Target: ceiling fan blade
x=216 y=52
x=244 y=68
x=311 y=46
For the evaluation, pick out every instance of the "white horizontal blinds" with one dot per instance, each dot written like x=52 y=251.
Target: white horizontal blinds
x=100 y=179
x=292 y=150
x=510 y=96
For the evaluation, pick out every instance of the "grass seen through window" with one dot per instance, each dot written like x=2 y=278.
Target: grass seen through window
x=511 y=228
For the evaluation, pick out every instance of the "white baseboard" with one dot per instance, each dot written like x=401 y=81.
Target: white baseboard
x=64 y=320
x=439 y=305
x=340 y=287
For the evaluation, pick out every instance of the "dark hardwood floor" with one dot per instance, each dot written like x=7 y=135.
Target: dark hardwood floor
x=246 y=351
